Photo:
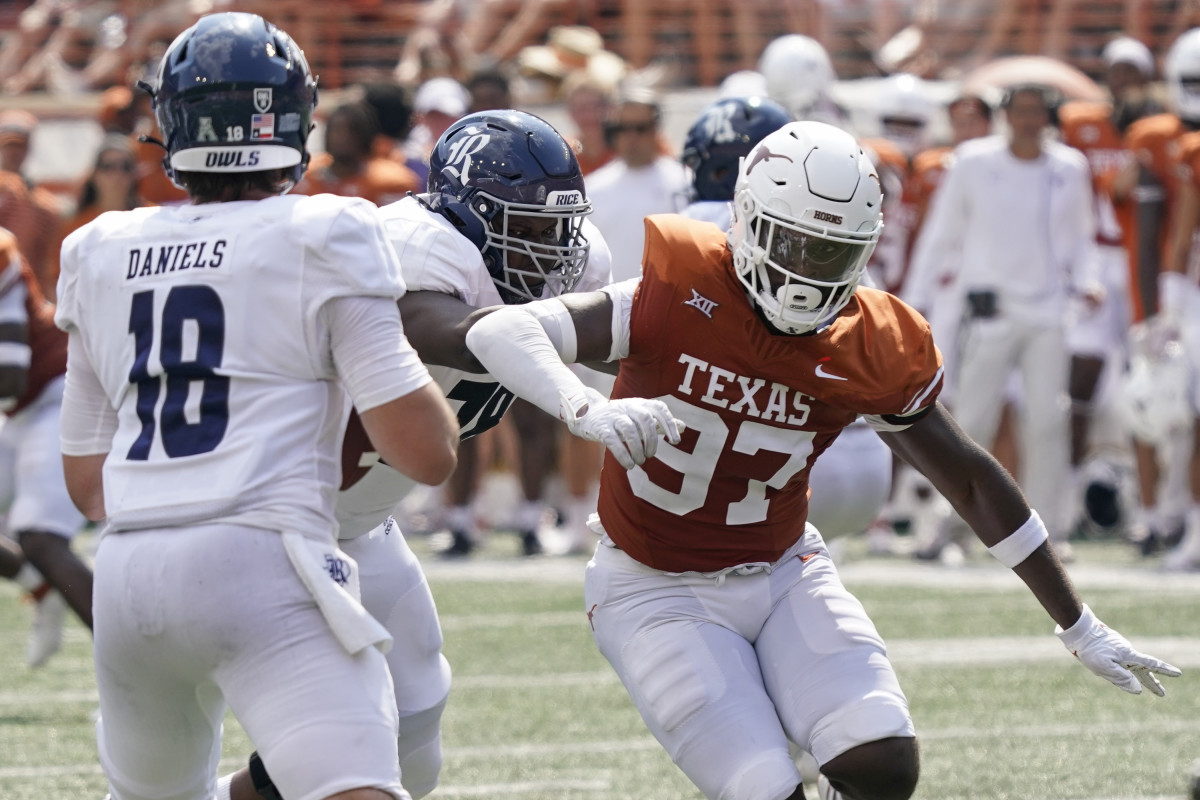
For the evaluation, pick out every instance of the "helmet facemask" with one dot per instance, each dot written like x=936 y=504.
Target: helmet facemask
x=534 y=251
x=800 y=275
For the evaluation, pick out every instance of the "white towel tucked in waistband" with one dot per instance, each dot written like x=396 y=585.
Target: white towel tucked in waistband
x=331 y=577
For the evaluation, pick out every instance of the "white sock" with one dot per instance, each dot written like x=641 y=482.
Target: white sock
x=28 y=578
x=223 y=787
x=461 y=518
x=529 y=515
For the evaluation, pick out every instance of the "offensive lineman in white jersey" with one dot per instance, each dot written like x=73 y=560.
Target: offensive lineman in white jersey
x=503 y=223
x=850 y=483
x=209 y=347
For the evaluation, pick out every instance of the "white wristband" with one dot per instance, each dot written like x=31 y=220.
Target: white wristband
x=1016 y=547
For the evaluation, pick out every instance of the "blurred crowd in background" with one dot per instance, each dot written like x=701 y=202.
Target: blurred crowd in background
x=624 y=82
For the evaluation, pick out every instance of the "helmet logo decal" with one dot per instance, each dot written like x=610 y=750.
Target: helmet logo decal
x=262 y=126
x=206 y=132
x=459 y=159
x=263 y=98
x=564 y=198
x=825 y=216
x=719 y=124
x=763 y=154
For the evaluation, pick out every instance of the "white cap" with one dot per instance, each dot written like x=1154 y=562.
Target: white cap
x=442 y=94
x=1127 y=50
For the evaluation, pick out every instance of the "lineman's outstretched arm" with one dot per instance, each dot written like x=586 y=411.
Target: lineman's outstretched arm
x=527 y=348
x=990 y=502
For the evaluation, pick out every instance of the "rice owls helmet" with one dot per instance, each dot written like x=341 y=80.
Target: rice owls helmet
x=806 y=217
x=234 y=94
x=722 y=134
x=1181 y=68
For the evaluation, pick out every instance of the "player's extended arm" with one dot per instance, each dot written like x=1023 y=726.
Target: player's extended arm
x=436 y=324
x=416 y=434
x=527 y=348
x=988 y=499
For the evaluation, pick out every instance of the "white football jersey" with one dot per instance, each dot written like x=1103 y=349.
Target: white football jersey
x=435 y=257
x=203 y=324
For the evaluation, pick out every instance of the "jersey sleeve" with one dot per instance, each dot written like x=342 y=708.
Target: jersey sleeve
x=66 y=314
x=354 y=257
x=908 y=366
x=435 y=258
x=598 y=273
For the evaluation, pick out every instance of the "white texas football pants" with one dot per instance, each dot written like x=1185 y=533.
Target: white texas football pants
x=189 y=619
x=727 y=669
x=395 y=592
x=991 y=350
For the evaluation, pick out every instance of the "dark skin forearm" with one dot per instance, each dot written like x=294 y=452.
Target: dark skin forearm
x=988 y=499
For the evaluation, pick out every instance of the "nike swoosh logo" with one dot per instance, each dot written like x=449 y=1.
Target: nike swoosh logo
x=804 y=558
x=821 y=373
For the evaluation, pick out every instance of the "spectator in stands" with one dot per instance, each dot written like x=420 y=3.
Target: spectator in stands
x=490 y=89
x=37 y=224
x=639 y=181
x=589 y=101
x=349 y=166
x=438 y=103
x=111 y=186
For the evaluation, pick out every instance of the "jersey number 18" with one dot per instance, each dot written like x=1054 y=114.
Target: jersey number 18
x=202 y=305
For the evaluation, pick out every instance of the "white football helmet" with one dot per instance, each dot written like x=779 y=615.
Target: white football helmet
x=806 y=217
x=904 y=112
x=1181 y=69
x=798 y=73
x=1155 y=392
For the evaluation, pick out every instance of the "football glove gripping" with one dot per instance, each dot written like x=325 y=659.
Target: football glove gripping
x=630 y=428
x=1109 y=655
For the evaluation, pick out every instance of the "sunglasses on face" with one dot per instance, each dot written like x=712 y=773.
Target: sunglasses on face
x=115 y=166
x=632 y=127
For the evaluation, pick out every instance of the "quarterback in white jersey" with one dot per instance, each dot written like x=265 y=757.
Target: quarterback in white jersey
x=208 y=349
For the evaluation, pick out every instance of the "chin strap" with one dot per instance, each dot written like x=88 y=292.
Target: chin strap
x=261 y=780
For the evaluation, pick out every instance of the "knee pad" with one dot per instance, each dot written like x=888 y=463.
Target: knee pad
x=420 y=747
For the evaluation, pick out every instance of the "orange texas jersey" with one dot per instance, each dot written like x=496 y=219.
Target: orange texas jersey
x=1088 y=127
x=929 y=167
x=759 y=406
x=381 y=180
x=1151 y=140
x=48 y=344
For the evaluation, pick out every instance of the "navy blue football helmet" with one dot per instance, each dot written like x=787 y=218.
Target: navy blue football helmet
x=725 y=132
x=512 y=185
x=234 y=94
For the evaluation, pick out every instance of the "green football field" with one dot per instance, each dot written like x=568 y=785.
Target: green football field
x=1003 y=712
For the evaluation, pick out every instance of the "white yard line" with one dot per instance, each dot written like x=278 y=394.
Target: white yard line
x=1182 y=651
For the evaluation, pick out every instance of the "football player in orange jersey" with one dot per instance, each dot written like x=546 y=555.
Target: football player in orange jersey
x=33 y=491
x=1098 y=131
x=714 y=601
x=1152 y=183
x=1179 y=296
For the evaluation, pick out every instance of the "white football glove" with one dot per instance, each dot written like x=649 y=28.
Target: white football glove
x=1109 y=655
x=629 y=428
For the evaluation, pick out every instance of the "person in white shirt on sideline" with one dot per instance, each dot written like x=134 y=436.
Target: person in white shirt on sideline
x=1018 y=208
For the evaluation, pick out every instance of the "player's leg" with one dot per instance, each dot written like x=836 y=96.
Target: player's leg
x=322 y=719
x=395 y=592
x=1044 y=431
x=42 y=515
x=536 y=432
x=679 y=646
x=826 y=669
x=160 y=716
x=460 y=489
x=989 y=348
